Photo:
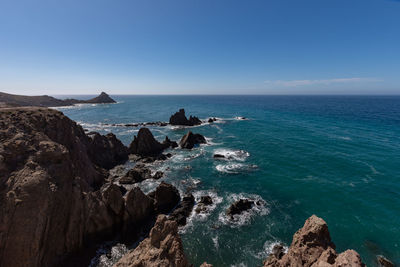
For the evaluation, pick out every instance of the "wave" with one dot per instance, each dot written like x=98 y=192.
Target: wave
x=239 y=155
x=260 y=208
x=268 y=247
x=235 y=168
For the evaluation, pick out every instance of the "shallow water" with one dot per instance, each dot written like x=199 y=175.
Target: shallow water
x=336 y=157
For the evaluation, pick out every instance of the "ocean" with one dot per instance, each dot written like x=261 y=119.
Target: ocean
x=334 y=156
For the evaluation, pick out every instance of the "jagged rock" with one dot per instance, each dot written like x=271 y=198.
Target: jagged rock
x=239 y=206
x=384 y=262
x=158 y=175
x=167 y=143
x=144 y=144
x=136 y=175
x=139 y=207
x=190 y=139
x=203 y=203
x=312 y=246
x=106 y=150
x=183 y=210
x=166 y=197
x=162 y=248
x=46 y=179
x=179 y=118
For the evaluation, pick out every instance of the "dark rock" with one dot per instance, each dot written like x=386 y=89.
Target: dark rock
x=139 y=207
x=144 y=144
x=158 y=175
x=166 y=197
x=183 y=210
x=211 y=120
x=169 y=144
x=240 y=206
x=190 y=139
x=106 y=150
x=102 y=98
x=383 y=262
x=218 y=156
x=179 y=118
x=278 y=251
x=203 y=203
x=136 y=175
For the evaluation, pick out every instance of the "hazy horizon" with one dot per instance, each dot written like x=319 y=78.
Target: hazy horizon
x=200 y=48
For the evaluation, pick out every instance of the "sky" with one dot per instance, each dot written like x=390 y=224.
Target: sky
x=200 y=46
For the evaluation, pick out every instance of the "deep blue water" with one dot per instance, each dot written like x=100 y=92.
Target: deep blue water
x=334 y=156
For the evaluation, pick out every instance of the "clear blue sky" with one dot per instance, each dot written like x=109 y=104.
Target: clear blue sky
x=200 y=46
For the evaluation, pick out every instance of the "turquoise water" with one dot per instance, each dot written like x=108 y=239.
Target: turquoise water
x=336 y=157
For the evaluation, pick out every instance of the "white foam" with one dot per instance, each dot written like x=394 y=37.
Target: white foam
x=234 y=168
x=229 y=154
x=260 y=208
x=268 y=247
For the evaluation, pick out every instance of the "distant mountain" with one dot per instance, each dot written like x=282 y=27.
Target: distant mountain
x=49 y=101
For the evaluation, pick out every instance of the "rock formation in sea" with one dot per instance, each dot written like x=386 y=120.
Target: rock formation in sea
x=179 y=118
x=49 y=101
x=190 y=139
x=183 y=210
x=312 y=246
x=145 y=145
x=239 y=206
x=162 y=248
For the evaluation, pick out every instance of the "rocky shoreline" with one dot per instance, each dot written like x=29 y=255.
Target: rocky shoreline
x=57 y=197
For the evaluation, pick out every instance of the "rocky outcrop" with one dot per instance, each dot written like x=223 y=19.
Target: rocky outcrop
x=183 y=210
x=203 y=203
x=190 y=139
x=102 y=98
x=239 y=206
x=382 y=261
x=53 y=196
x=179 y=118
x=312 y=246
x=166 y=197
x=145 y=145
x=107 y=151
x=138 y=174
x=162 y=248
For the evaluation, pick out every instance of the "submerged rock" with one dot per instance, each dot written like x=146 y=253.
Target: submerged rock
x=163 y=247
x=384 y=262
x=190 y=139
x=179 y=118
x=218 y=156
x=312 y=246
x=239 y=206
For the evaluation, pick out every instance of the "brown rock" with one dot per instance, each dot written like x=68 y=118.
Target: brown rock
x=107 y=151
x=162 y=248
x=312 y=246
x=384 y=262
x=183 y=210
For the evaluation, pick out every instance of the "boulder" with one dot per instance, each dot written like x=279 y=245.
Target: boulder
x=144 y=144
x=183 y=210
x=239 y=206
x=312 y=246
x=162 y=248
x=179 y=118
x=107 y=151
x=139 y=207
x=190 y=139
x=203 y=203
x=166 y=197
x=136 y=175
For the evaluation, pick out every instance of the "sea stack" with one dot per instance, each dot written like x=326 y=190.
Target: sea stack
x=179 y=118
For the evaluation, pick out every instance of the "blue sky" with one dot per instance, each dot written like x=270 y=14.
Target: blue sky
x=200 y=47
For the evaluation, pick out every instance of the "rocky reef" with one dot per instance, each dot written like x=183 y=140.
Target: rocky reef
x=179 y=118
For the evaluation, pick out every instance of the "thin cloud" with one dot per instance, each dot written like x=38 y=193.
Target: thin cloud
x=295 y=83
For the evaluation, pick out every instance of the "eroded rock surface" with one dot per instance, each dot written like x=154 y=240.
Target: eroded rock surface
x=312 y=246
x=190 y=139
x=162 y=248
